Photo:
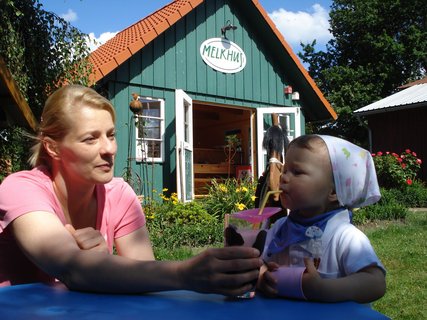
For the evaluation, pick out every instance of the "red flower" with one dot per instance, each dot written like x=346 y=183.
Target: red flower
x=403 y=165
x=414 y=154
x=399 y=159
x=409 y=182
x=379 y=153
x=395 y=155
x=408 y=151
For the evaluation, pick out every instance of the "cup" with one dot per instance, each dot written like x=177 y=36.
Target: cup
x=248 y=228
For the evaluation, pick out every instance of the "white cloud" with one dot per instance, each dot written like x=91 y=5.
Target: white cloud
x=93 y=42
x=70 y=16
x=302 y=26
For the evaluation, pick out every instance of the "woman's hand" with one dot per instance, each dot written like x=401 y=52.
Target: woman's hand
x=88 y=238
x=267 y=283
x=229 y=271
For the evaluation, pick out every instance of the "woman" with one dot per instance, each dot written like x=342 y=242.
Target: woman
x=61 y=219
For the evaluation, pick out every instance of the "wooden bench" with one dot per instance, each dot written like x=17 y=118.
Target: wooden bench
x=205 y=172
x=212 y=168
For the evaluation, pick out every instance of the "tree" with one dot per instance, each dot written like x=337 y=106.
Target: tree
x=378 y=45
x=41 y=50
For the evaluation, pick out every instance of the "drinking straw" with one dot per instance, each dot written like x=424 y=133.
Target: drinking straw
x=264 y=200
x=263 y=203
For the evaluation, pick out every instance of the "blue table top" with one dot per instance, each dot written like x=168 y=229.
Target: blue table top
x=39 y=301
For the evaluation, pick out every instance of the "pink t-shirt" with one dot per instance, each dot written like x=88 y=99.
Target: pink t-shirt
x=119 y=213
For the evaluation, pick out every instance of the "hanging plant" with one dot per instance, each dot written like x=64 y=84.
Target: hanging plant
x=135 y=105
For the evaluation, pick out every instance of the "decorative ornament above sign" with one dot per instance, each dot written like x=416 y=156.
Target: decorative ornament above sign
x=223 y=55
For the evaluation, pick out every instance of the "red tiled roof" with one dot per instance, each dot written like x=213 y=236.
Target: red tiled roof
x=410 y=84
x=126 y=43
x=132 y=39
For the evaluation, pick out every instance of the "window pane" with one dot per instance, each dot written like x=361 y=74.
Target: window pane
x=149 y=128
x=154 y=149
x=151 y=109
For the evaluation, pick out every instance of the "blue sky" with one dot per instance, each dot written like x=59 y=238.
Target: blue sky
x=301 y=20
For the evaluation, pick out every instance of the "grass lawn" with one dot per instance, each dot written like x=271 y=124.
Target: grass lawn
x=402 y=248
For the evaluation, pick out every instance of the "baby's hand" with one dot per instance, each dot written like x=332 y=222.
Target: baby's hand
x=267 y=283
x=311 y=280
x=88 y=239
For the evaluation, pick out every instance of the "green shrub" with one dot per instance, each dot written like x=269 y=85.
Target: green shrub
x=388 y=208
x=14 y=151
x=411 y=196
x=229 y=196
x=174 y=224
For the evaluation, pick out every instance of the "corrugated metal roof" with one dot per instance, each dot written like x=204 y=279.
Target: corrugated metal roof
x=415 y=95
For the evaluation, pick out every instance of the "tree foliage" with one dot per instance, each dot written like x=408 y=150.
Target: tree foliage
x=377 y=46
x=41 y=50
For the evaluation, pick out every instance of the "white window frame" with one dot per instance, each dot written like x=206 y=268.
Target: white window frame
x=282 y=112
x=141 y=144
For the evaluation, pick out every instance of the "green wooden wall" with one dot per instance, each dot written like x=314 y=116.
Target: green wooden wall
x=172 y=61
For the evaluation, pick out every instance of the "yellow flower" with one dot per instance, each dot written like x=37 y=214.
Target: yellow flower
x=222 y=188
x=163 y=197
x=174 y=198
x=240 y=206
x=244 y=189
x=253 y=198
x=165 y=189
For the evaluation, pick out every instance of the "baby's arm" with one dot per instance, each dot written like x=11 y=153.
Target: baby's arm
x=366 y=285
x=267 y=283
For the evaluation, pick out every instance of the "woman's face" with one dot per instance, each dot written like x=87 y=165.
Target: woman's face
x=87 y=152
x=307 y=181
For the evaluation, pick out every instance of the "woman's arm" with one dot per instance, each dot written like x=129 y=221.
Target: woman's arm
x=135 y=245
x=52 y=248
x=364 y=286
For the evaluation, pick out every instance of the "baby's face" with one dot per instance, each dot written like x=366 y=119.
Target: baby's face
x=307 y=180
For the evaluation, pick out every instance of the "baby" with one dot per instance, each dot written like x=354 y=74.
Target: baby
x=316 y=253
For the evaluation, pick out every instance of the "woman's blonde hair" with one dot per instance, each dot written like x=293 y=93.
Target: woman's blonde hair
x=58 y=109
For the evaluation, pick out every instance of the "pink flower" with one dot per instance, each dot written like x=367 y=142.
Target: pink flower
x=395 y=155
x=402 y=156
x=419 y=161
x=373 y=154
x=408 y=151
x=414 y=154
x=409 y=182
x=403 y=165
x=399 y=159
x=379 y=153
x=387 y=152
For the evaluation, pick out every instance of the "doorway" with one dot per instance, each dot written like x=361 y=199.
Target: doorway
x=212 y=127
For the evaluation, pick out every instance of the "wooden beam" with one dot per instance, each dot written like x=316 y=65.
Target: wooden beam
x=17 y=97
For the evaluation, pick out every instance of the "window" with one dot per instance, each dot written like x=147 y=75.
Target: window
x=150 y=128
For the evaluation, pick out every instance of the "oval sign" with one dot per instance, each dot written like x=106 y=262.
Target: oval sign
x=223 y=55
